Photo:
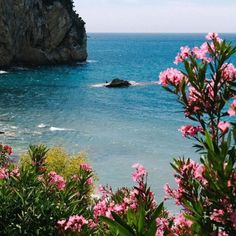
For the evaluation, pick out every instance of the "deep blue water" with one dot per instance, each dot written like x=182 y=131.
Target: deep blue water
x=116 y=127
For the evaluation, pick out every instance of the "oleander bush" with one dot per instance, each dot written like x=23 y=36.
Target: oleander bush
x=33 y=199
x=206 y=191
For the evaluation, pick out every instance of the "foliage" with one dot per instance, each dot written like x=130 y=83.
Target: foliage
x=206 y=190
x=50 y=192
x=58 y=160
x=33 y=199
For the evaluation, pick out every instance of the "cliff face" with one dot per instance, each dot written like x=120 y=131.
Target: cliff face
x=37 y=32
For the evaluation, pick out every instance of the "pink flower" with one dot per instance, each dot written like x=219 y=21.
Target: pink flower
x=89 y=181
x=189 y=130
x=222 y=233
x=201 y=52
x=61 y=222
x=162 y=225
x=57 y=180
x=74 y=223
x=199 y=171
x=232 y=109
x=170 y=76
x=223 y=126
x=184 y=53
x=180 y=220
x=92 y=224
x=86 y=167
x=4 y=173
x=233 y=219
x=100 y=208
x=228 y=72
x=194 y=95
x=15 y=172
x=7 y=149
x=211 y=36
x=139 y=173
x=217 y=215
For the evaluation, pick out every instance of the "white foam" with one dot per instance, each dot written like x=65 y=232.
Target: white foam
x=59 y=129
x=91 y=61
x=10 y=134
x=42 y=126
x=99 y=85
x=3 y=72
x=13 y=127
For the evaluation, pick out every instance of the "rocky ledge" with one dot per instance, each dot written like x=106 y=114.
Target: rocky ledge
x=40 y=32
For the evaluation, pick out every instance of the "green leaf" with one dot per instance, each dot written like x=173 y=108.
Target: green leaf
x=121 y=222
x=141 y=219
x=152 y=226
x=209 y=141
x=121 y=230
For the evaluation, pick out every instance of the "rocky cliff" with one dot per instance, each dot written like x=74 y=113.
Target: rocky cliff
x=38 y=32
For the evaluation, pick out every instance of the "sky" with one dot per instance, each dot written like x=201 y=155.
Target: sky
x=158 y=16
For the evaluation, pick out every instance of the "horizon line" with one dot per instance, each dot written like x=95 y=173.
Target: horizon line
x=101 y=32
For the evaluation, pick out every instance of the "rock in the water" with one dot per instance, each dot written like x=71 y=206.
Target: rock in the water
x=118 y=83
x=40 y=32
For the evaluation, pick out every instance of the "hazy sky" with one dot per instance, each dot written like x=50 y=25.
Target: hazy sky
x=158 y=15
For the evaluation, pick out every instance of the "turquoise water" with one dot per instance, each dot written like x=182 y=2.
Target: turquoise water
x=116 y=127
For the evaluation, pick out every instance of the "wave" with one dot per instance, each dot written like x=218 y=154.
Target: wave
x=98 y=85
x=59 y=129
x=42 y=126
x=91 y=61
x=3 y=72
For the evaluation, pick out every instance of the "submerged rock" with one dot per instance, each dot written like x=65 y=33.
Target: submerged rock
x=40 y=32
x=118 y=83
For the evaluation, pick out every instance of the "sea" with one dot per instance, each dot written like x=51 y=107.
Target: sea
x=68 y=106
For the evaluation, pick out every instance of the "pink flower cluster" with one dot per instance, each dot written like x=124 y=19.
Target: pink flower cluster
x=201 y=53
x=6 y=149
x=184 y=53
x=189 y=130
x=180 y=226
x=189 y=170
x=139 y=173
x=223 y=126
x=197 y=52
x=170 y=76
x=6 y=173
x=130 y=198
x=232 y=109
x=213 y=36
x=105 y=206
x=228 y=72
x=217 y=215
x=74 y=223
x=56 y=180
x=86 y=167
x=15 y=172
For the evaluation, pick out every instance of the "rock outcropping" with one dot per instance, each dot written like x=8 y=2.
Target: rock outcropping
x=118 y=83
x=40 y=32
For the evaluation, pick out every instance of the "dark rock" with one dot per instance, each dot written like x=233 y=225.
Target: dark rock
x=40 y=32
x=118 y=83
x=2 y=132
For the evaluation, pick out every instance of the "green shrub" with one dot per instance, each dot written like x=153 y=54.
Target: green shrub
x=33 y=198
x=64 y=164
